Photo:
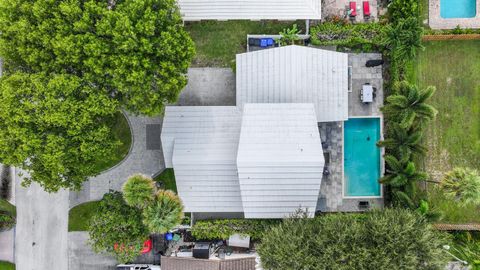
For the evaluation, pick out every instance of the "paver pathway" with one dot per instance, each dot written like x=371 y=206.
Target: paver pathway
x=141 y=159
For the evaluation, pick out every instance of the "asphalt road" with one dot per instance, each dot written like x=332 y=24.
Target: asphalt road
x=41 y=237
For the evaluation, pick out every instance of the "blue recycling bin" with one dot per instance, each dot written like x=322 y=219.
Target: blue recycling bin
x=169 y=236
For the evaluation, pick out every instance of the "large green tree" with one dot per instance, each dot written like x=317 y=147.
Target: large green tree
x=74 y=63
x=55 y=127
x=117 y=228
x=390 y=239
x=135 y=51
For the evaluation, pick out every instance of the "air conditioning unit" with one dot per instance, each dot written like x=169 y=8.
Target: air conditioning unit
x=202 y=250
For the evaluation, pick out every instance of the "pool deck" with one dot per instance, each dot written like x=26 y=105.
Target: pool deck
x=435 y=21
x=331 y=197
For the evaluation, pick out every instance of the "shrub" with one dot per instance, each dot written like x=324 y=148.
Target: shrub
x=138 y=190
x=223 y=228
x=164 y=212
x=390 y=239
x=463 y=185
x=6 y=183
x=117 y=228
x=6 y=221
x=466 y=246
x=400 y=9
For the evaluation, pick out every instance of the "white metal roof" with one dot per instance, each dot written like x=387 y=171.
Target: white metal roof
x=280 y=159
x=189 y=122
x=195 y=10
x=201 y=143
x=295 y=74
x=206 y=174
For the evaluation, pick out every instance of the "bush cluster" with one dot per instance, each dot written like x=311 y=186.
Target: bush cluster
x=390 y=239
x=223 y=228
x=6 y=183
x=338 y=33
x=7 y=221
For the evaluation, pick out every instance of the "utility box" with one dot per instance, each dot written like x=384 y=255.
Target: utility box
x=202 y=250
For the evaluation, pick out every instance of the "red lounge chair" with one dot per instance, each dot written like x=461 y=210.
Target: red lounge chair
x=366 y=8
x=353 y=9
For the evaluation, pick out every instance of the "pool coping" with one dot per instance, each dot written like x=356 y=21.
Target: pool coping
x=435 y=20
x=382 y=160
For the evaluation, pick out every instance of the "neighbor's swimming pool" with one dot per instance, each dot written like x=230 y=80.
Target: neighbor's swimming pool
x=458 y=8
x=362 y=157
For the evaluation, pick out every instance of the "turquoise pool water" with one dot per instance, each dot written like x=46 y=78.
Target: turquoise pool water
x=458 y=8
x=362 y=157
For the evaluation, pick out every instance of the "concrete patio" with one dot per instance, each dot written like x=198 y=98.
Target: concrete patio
x=331 y=192
x=335 y=8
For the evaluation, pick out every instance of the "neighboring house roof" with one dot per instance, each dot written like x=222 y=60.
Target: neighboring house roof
x=295 y=74
x=195 y=10
x=280 y=159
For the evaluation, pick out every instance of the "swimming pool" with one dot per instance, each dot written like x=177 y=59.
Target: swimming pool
x=362 y=157
x=458 y=8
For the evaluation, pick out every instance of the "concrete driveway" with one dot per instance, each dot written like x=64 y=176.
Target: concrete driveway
x=209 y=87
x=41 y=232
x=83 y=258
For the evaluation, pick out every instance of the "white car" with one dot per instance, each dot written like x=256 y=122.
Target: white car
x=138 y=267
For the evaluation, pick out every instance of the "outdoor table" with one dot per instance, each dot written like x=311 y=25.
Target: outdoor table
x=367 y=93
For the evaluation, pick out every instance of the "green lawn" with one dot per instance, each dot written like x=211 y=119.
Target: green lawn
x=453 y=138
x=218 y=42
x=167 y=177
x=8 y=207
x=121 y=131
x=79 y=216
x=7 y=266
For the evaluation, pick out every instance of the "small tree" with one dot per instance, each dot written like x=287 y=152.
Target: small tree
x=289 y=35
x=164 y=213
x=390 y=239
x=117 y=229
x=138 y=191
x=463 y=185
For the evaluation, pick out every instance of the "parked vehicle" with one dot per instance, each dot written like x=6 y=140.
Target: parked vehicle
x=138 y=267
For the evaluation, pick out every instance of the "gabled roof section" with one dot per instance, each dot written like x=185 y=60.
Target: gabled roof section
x=194 y=122
x=295 y=74
x=195 y=10
x=280 y=159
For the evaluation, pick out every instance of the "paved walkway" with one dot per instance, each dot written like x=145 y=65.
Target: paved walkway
x=7 y=252
x=145 y=157
x=41 y=230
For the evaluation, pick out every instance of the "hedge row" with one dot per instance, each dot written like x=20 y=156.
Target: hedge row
x=367 y=36
x=223 y=228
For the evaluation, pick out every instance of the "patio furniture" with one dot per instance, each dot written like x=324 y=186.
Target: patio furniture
x=374 y=63
x=366 y=93
x=366 y=9
x=353 y=9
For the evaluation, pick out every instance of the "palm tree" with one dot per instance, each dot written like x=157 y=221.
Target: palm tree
x=164 y=213
x=403 y=39
x=138 y=191
x=408 y=107
x=463 y=185
x=401 y=173
x=404 y=142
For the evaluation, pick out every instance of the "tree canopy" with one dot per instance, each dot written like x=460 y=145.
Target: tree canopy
x=135 y=51
x=164 y=213
x=390 y=239
x=117 y=228
x=138 y=191
x=69 y=66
